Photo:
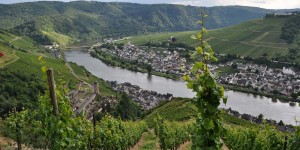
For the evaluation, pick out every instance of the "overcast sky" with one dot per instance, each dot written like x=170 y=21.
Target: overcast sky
x=272 y=4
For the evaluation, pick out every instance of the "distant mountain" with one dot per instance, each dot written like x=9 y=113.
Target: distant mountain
x=53 y=21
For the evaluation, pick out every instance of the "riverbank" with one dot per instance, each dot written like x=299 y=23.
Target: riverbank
x=281 y=98
x=133 y=66
x=240 y=101
x=114 y=61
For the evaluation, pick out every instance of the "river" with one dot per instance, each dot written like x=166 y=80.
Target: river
x=241 y=102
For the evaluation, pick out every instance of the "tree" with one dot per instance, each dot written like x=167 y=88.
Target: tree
x=173 y=39
x=149 y=68
x=209 y=94
x=127 y=109
x=261 y=116
x=234 y=66
x=275 y=92
x=294 y=95
x=265 y=55
x=280 y=123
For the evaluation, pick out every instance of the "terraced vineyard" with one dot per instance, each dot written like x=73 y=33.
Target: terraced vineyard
x=19 y=42
x=252 y=38
x=8 y=55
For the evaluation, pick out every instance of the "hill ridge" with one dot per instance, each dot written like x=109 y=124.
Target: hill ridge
x=93 y=20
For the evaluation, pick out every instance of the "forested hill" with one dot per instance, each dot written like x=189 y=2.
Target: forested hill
x=93 y=19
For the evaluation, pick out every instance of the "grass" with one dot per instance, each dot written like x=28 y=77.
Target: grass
x=225 y=70
x=178 y=109
x=252 y=38
x=181 y=109
x=79 y=71
x=25 y=43
x=62 y=39
x=29 y=63
x=9 y=55
x=150 y=142
x=19 y=42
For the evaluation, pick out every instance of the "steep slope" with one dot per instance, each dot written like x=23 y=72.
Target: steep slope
x=10 y=42
x=252 y=38
x=50 y=21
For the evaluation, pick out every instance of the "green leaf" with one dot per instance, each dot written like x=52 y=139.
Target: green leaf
x=208 y=124
x=198 y=65
x=225 y=100
x=44 y=69
x=204 y=30
x=210 y=81
x=185 y=78
x=193 y=37
x=199 y=50
x=199 y=35
x=40 y=58
x=190 y=85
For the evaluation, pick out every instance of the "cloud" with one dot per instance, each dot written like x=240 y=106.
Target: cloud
x=271 y=4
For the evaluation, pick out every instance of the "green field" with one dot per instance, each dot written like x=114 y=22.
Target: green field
x=252 y=38
x=21 y=54
x=29 y=63
x=9 y=55
x=19 y=42
x=62 y=39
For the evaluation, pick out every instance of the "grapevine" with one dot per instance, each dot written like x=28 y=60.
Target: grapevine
x=114 y=134
x=260 y=138
x=208 y=95
x=172 y=134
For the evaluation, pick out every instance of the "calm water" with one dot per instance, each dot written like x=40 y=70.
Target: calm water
x=242 y=102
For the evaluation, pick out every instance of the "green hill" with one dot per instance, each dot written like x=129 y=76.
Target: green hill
x=65 y=22
x=21 y=75
x=252 y=38
x=182 y=110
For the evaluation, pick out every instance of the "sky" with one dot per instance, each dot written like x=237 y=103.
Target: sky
x=270 y=4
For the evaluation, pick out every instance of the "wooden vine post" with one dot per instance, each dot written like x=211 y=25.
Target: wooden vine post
x=51 y=84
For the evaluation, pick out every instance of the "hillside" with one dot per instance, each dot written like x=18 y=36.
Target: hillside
x=252 y=38
x=10 y=42
x=183 y=110
x=21 y=75
x=66 y=22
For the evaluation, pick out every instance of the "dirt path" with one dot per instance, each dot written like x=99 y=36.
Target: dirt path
x=140 y=143
x=9 y=144
x=15 y=39
x=185 y=146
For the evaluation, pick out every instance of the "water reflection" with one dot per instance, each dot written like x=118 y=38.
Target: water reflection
x=149 y=77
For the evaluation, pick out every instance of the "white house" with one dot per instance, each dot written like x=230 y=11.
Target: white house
x=288 y=71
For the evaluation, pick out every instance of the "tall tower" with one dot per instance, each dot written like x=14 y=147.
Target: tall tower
x=96 y=88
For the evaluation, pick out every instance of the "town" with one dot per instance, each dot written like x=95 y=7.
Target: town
x=260 y=78
x=162 y=61
x=147 y=99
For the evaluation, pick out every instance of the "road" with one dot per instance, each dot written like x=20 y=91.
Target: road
x=80 y=109
x=88 y=99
